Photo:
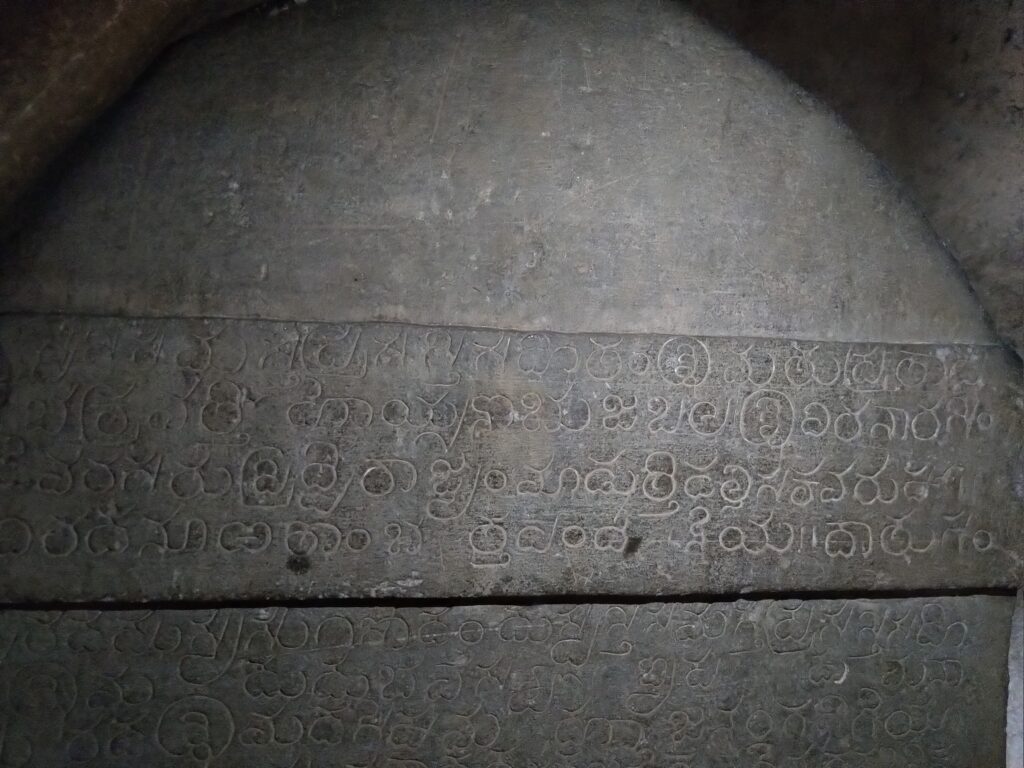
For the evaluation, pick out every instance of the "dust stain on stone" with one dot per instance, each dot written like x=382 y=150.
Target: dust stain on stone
x=299 y=564
x=632 y=545
x=6 y=377
x=1018 y=477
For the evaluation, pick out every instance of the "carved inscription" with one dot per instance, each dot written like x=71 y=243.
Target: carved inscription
x=817 y=684
x=160 y=458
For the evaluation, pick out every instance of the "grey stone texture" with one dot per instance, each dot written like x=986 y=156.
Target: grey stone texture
x=165 y=459
x=548 y=301
x=790 y=684
x=936 y=90
x=616 y=167
x=63 y=63
x=1015 y=697
x=932 y=87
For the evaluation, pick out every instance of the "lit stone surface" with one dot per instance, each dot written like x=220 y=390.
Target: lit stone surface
x=169 y=459
x=814 y=684
x=613 y=167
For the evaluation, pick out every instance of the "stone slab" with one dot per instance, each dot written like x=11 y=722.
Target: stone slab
x=906 y=683
x=1015 y=697
x=167 y=459
x=540 y=166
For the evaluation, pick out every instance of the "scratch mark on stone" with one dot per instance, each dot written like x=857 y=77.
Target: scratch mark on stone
x=444 y=89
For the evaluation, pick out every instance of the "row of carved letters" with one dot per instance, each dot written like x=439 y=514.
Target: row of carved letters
x=220 y=636
x=197 y=728
x=100 y=415
x=354 y=350
x=488 y=541
x=318 y=479
x=329 y=702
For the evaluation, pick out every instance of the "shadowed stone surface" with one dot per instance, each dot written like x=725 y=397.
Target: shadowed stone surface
x=619 y=167
x=607 y=171
x=1015 y=699
x=815 y=684
x=152 y=459
x=64 y=61
x=578 y=174
x=936 y=90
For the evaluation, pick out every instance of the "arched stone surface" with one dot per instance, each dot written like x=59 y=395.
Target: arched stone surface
x=934 y=90
x=63 y=62
x=609 y=168
x=593 y=177
x=645 y=220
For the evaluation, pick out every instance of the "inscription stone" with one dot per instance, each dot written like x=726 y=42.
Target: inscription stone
x=494 y=165
x=514 y=165
x=149 y=459
x=816 y=684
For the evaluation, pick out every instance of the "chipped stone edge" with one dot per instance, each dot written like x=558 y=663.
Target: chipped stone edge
x=1015 y=694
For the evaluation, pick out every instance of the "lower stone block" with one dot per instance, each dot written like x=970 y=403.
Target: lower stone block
x=902 y=683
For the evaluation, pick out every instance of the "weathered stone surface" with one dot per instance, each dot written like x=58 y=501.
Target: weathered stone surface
x=1015 y=699
x=150 y=459
x=817 y=684
x=935 y=90
x=578 y=174
x=542 y=166
x=62 y=63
